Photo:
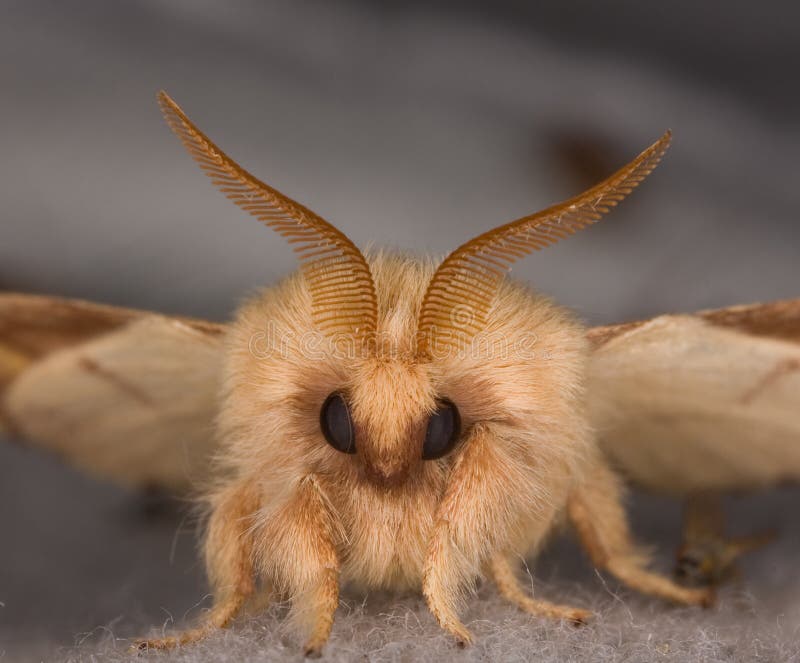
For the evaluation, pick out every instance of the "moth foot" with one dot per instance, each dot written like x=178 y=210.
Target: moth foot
x=711 y=560
x=312 y=651
x=575 y=616
x=313 y=648
x=463 y=637
x=708 y=598
x=704 y=597
x=507 y=584
x=447 y=618
x=140 y=646
x=578 y=617
x=171 y=641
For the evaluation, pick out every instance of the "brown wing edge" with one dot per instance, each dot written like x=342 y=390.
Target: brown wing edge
x=33 y=326
x=779 y=320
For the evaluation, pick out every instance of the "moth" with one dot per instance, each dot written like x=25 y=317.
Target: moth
x=392 y=422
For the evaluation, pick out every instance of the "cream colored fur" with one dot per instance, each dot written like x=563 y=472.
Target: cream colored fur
x=310 y=517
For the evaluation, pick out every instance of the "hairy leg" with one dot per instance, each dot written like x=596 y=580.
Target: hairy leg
x=502 y=572
x=442 y=584
x=475 y=518
x=596 y=511
x=229 y=547
x=220 y=616
x=297 y=552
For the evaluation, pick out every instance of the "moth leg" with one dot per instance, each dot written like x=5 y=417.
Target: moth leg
x=229 y=549
x=596 y=511
x=474 y=519
x=220 y=616
x=441 y=585
x=706 y=557
x=502 y=572
x=299 y=555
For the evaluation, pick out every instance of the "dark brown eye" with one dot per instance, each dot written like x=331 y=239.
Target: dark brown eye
x=444 y=429
x=336 y=424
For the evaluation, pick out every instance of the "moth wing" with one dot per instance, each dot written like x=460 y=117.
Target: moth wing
x=685 y=403
x=126 y=395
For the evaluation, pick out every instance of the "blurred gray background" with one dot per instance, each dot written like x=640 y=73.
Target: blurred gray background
x=409 y=124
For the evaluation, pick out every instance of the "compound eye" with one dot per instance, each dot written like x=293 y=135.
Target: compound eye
x=337 y=425
x=444 y=430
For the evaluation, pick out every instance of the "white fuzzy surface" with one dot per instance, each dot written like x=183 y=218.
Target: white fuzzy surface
x=626 y=628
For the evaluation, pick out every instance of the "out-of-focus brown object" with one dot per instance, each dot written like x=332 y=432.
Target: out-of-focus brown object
x=582 y=155
x=706 y=556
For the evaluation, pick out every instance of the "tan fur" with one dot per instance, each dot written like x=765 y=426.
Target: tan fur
x=383 y=517
x=502 y=572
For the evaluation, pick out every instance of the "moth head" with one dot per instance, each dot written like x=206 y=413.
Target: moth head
x=391 y=418
x=364 y=368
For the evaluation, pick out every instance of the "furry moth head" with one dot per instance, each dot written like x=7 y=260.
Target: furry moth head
x=376 y=372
